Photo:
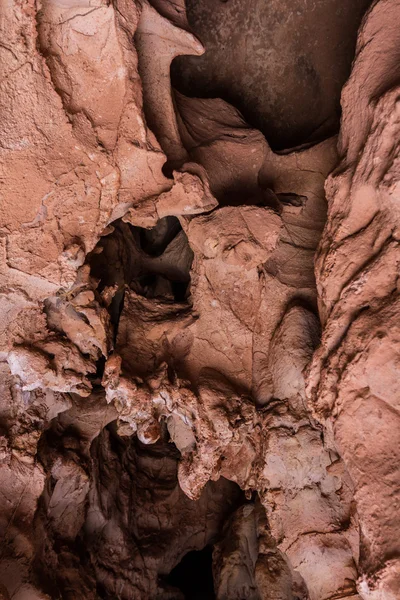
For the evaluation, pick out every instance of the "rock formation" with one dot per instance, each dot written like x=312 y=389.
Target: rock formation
x=200 y=343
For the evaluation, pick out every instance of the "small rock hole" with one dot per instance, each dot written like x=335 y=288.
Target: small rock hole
x=193 y=575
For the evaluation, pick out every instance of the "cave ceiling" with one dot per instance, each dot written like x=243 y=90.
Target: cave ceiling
x=199 y=300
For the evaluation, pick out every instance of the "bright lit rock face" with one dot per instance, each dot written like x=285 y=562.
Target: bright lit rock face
x=200 y=339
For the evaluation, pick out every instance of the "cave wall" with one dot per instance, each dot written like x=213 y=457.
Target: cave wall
x=199 y=321
x=285 y=74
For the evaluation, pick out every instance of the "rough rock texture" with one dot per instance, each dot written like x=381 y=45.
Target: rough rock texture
x=282 y=62
x=199 y=335
x=355 y=372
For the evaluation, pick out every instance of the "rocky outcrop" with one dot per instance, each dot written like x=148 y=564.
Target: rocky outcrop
x=354 y=374
x=199 y=340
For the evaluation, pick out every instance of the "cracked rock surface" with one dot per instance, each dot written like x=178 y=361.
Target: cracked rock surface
x=199 y=310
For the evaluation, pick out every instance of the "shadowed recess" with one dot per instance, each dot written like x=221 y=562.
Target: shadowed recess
x=193 y=575
x=282 y=63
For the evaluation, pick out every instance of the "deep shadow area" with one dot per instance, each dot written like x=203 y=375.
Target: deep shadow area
x=193 y=575
x=282 y=63
x=143 y=521
x=153 y=262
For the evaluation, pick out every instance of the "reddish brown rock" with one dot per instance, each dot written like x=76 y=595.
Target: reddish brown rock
x=354 y=374
x=186 y=409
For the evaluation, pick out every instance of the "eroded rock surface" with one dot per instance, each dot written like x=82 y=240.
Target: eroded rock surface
x=282 y=62
x=199 y=335
x=354 y=375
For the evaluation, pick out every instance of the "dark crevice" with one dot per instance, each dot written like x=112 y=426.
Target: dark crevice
x=193 y=575
x=154 y=241
x=154 y=263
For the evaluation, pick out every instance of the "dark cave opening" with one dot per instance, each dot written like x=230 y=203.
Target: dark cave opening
x=193 y=575
x=154 y=241
x=154 y=263
x=133 y=477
